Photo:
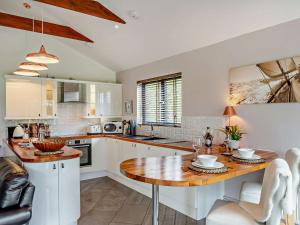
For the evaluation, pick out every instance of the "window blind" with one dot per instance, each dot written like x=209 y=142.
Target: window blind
x=159 y=100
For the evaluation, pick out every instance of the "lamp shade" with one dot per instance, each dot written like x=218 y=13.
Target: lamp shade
x=229 y=111
x=33 y=66
x=42 y=57
x=23 y=72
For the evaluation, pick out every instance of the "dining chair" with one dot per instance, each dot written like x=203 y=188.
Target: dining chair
x=251 y=191
x=276 y=199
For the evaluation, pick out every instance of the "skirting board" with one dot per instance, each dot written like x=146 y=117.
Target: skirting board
x=92 y=175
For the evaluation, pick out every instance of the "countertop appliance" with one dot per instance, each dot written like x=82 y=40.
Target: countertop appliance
x=85 y=146
x=18 y=132
x=94 y=129
x=115 y=127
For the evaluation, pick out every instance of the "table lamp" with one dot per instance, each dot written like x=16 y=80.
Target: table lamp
x=229 y=111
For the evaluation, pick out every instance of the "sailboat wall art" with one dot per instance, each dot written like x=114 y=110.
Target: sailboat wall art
x=276 y=81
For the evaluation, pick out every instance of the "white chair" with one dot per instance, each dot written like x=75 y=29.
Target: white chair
x=275 y=199
x=251 y=191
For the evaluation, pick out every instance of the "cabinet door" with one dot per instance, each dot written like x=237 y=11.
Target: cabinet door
x=49 y=98
x=44 y=176
x=99 y=151
x=91 y=100
x=23 y=98
x=69 y=191
x=109 y=99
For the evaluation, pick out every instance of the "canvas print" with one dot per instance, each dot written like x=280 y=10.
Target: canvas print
x=276 y=81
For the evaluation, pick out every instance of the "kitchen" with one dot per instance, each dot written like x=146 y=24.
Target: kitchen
x=85 y=99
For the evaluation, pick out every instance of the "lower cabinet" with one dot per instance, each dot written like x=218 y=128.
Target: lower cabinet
x=57 y=196
x=192 y=201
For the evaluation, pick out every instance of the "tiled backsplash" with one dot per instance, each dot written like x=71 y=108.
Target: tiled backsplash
x=70 y=122
x=191 y=126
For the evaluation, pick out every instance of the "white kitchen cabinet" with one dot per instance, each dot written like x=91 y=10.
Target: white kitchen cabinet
x=114 y=155
x=49 y=99
x=23 y=98
x=30 y=98
x=57 y=192
x=109 y=99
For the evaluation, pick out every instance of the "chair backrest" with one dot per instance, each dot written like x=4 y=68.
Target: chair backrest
x=275 y=194
x=292 y=157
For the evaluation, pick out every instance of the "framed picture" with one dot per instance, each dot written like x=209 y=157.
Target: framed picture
x=276 y=81
x=128 y=107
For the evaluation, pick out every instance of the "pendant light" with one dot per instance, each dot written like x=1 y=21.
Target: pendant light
x=33 y=66
x=23 y=72
x=42 y=56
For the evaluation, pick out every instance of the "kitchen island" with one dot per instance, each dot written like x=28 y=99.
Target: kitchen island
x=57 y=184
x=174 y=171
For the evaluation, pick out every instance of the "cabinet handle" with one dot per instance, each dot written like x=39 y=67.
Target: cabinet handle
x=39 y=114
x=63 y=165
x=149 y=148
x=54 y=166
x=54 y=114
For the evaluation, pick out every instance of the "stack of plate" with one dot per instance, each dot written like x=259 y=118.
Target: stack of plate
x=216 y=168
x=240 y=156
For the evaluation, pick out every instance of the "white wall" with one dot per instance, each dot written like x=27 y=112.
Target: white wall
x=206 y=85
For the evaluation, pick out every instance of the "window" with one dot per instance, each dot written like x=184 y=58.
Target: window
x=159 y=100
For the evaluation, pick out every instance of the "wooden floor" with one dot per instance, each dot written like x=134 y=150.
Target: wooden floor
x=107 y=202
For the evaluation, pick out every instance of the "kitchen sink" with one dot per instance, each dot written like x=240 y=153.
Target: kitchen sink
x=146 y=138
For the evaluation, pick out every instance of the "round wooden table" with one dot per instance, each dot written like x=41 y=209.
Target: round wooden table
x=174 y=171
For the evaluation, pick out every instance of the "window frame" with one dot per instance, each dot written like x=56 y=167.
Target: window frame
x=141 y=97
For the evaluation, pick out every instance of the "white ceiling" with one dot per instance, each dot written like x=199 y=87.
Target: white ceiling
x=164 y=28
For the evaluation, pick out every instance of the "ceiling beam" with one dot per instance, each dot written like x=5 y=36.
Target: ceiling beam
x=89 y=7
x=23 y=23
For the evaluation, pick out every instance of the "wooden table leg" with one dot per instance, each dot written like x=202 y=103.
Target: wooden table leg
x=155 y=203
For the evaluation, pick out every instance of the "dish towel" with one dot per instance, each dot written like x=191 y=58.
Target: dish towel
x=277 y=178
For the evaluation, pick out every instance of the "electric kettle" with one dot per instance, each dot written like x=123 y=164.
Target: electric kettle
x=18 y=132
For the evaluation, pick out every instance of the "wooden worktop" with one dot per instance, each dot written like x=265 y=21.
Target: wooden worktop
x=173 y=170
x=27 y=155
x=184 y=145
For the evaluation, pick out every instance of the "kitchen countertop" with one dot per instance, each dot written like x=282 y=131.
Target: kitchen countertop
x=184 y=145
x=174 y=171
x=27 y=155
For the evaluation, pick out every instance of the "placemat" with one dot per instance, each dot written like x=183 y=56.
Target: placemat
x=212 y=171
x=248 y=161
x=40 y=153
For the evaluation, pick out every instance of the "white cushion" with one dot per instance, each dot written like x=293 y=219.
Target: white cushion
x=251 y=192
x=229 y=213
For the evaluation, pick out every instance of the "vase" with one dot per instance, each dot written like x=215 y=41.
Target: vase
x=234 y=144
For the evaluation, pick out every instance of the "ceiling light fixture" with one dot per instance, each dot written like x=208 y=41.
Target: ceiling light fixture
x=116 y=26
x=33 y=66
x=23 y=72
x=42 y=57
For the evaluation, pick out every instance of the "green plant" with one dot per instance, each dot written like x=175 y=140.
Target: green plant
x=233 y=132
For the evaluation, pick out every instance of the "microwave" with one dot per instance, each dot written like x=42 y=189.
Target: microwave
x=113 y=128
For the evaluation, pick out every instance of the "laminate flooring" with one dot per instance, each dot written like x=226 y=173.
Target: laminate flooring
x=107 y=202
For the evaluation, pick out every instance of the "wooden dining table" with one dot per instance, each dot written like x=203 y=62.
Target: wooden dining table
x=175 y=171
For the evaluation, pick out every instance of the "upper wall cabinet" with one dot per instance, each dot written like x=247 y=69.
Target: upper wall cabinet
x=104 y=99
x=29 y=98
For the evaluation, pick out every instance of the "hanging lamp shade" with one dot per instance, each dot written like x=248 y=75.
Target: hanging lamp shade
x=23 y=72
x=42 y=57
x=33 y=66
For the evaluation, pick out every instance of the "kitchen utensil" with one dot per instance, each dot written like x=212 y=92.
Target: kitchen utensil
x=246 y=152
x=207 y=160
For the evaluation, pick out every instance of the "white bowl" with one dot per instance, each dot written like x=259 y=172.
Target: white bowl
x=246 y=152
x=207 y=160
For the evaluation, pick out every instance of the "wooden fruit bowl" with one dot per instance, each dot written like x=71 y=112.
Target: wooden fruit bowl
x=49 y=146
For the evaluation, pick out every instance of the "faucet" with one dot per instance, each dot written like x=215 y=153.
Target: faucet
x=152 y=130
